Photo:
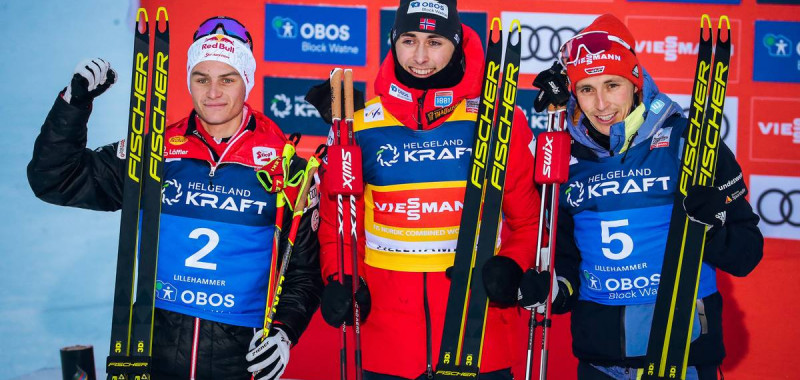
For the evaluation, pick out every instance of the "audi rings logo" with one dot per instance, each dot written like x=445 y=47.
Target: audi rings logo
x=777 y=207
x=730 y=118
x=542 y=42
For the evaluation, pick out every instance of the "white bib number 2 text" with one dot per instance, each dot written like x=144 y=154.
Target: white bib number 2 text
x=193 y=261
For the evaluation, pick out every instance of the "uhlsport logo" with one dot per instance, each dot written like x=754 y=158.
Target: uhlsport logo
x=543 y=34
x=776 y=130
x=776 y=199
x=776 y=55
x=315 y=34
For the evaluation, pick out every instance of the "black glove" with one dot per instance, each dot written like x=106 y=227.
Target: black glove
x=708 y=205
x=337 y=301
x=92 y=77
x=320 y=97
x=553 y=88
x=501 y=276
x=534 y=288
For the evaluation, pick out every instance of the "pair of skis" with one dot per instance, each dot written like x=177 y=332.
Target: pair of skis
x=132 y=322
x=344 y=179
x=670 y=334
x=467 y=304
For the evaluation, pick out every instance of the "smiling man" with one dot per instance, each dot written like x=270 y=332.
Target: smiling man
x=217 y=222
x=416 y=137
x=614 y=217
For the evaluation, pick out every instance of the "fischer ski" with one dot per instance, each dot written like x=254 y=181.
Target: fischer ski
x=132 y=322
x=673 y=318
x=467 y=304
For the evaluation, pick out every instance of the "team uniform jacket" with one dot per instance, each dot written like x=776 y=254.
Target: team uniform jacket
x=612 y=229
x=216 y=229
x=416 y=148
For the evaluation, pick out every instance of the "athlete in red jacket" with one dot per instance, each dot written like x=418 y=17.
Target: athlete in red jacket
x=416 y=139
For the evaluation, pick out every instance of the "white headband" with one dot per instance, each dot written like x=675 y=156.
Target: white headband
x=225 y=49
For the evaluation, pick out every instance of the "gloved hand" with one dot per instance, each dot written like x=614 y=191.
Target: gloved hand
x=270 y=356
x=534 y=288
x=92 y=77
x=337 y=301
x=501 y=277
x=553 y=88
x=319 y=96
x=708 y=205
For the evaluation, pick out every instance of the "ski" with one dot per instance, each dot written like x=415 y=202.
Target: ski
x=467 y=304
x=129 y=224
x=135 y=361
x=673 y=318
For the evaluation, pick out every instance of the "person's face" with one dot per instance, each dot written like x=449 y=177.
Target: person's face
x=217 y=93
x=423 y=54
x=605 y=100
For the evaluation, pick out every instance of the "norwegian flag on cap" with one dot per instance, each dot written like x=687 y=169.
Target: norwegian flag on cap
x=427 y=24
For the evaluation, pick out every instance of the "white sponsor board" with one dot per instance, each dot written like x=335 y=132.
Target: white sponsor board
x=776 y=200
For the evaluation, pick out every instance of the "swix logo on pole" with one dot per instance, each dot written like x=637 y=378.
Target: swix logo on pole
x=347 y=170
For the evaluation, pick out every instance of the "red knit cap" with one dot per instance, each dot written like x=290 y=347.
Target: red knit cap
x=616 y=60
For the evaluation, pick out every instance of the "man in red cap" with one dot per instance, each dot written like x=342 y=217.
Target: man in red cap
x=416 y=137
x=615 y=210
x=217 y=222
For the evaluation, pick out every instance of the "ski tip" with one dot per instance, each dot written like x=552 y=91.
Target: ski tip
x=705 y=21
x=724 y=18
x=141 y=12
x=516 y=23
x=496 y=20
x=158 y=14
x=335 y=72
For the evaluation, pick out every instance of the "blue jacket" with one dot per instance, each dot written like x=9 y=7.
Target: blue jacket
x=613 y=222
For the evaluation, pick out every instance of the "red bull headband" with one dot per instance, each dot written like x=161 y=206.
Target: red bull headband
x=225 y=49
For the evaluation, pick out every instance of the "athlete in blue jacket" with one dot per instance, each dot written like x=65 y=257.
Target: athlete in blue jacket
x=217 y=222
x=615 y=211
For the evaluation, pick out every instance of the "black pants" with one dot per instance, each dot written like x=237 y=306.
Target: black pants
x=587 y=372
x=503 y=374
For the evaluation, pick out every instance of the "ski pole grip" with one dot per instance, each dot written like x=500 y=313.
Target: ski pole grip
x=344 y=175
x=77 y=362
x=551 y=164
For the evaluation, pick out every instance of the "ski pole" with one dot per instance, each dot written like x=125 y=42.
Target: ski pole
x=336 y=118
x=550 y=169
x=272 y=177
x=356 y=189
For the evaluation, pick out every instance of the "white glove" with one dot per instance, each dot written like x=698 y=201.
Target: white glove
x=269 y=357
x=92 y=77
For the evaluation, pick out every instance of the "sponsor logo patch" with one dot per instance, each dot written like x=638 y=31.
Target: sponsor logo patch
x=373 y=112
x=178 y=140
x=399 y=93
x=121 y=154
x=428 y=6
x=442 y=98
x=262 y=155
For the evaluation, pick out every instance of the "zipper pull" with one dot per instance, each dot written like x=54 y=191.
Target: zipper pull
x=211 y=175
x=429 y=371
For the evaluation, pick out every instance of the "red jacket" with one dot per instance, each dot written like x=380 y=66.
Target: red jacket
x=402 y=334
